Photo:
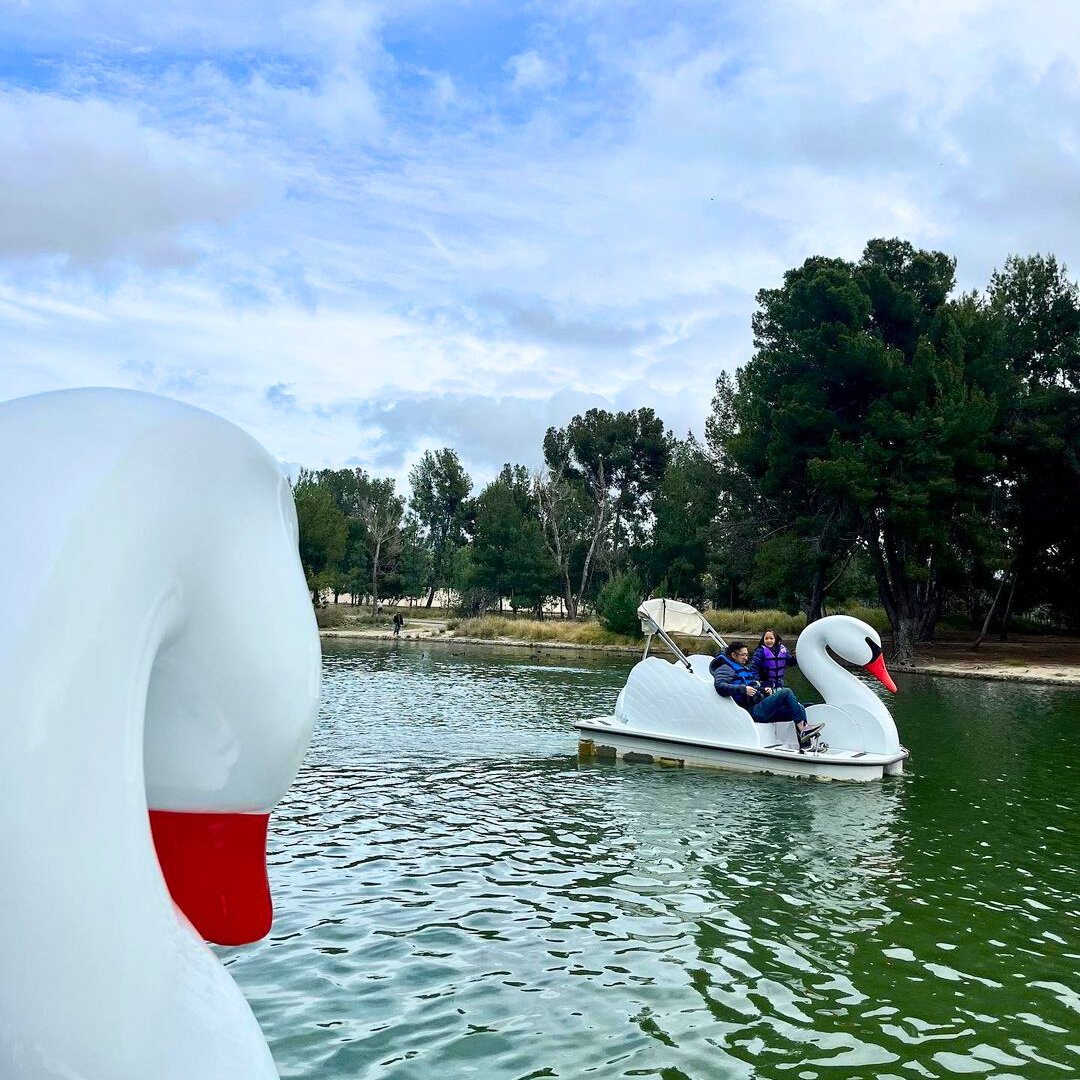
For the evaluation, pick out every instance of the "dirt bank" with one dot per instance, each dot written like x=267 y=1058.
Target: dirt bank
x=1021 y=659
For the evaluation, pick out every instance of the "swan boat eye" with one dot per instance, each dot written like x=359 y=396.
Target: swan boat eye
x=875 y=649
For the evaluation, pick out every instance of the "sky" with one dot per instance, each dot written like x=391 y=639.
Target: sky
x=365 y=230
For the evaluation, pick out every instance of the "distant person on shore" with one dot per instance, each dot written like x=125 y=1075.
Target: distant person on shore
x=399 y=622
x=733 y=678
x=771 y=660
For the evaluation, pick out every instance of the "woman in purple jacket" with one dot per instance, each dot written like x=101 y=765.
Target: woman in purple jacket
x=771 y=659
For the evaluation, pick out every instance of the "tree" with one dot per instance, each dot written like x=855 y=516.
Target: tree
x=322 y=532
x=739 y=527
x=620 y=457
x=863 y=415
x=472 y=597
x=808 y=378
x=509 y=557
x=571 y=518
x=533 y=577
x=350 y=571
x=601 y=468
x=917 y=469
x=409 y=576
x=617 y=604
x=370 y=514
x=685 y=508
x=440 y=488
x=343 y=486
x=356 y=569
x=380 y=510
x=1035 y=313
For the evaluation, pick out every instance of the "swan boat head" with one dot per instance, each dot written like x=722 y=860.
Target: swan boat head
x=855 y=716
x=852 y=640
x=159 y=670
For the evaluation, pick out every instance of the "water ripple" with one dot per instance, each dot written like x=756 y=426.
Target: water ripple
x=458 y=897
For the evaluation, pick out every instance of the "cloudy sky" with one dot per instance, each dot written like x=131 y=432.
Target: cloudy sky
x=361 y=230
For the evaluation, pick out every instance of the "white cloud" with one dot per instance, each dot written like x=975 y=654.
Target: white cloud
x=88 y=181
x=531 y=71
x=420 y=240
x=195 y=25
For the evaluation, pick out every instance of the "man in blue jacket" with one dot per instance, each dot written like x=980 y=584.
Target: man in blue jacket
x=732 y=678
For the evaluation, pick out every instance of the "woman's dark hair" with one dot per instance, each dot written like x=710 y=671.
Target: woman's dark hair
x=769 y=630
x=734 y=647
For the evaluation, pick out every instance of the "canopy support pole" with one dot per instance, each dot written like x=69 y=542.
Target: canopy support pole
x=662 y=634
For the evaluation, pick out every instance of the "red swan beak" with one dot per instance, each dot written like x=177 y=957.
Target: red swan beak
x=877 y=668
x=215 y=868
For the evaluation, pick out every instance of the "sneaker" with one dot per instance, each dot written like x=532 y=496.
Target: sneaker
x=809 y=731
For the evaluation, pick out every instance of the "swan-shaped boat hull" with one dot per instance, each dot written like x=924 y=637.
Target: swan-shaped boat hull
x=602 y=738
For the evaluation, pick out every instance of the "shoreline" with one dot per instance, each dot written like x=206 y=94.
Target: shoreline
x=1050 y=674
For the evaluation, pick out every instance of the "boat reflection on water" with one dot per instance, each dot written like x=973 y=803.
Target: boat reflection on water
x=736 y=829
x=776 y=899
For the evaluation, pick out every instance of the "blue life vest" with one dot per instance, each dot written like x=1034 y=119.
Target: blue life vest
x=743 y=676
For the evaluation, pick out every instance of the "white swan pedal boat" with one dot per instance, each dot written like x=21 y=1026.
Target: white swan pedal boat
x=670 y=714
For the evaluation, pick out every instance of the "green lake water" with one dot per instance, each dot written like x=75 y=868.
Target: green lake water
x=457 y=897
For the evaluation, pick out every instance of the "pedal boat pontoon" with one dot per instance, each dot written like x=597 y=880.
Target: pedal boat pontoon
x=670 y=714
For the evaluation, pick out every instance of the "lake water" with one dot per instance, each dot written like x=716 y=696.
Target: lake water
x=457 y=897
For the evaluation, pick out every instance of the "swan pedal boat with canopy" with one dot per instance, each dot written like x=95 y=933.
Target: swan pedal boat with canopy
x=670 y=714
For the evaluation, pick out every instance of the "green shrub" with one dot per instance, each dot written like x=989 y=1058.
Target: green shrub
x=617 y=604
x=1025 y=624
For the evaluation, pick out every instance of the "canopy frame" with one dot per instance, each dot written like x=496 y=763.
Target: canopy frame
x=660 y=615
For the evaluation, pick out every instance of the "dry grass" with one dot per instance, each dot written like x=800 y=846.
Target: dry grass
x=330 y=617
x=735 y=621
x=875 y=616
x=488 y=627
x=727 y=623
x=787 y=626
x=348 y=617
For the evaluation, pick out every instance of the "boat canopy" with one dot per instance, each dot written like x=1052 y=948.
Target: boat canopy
x=664 y=617
x=674 y=617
